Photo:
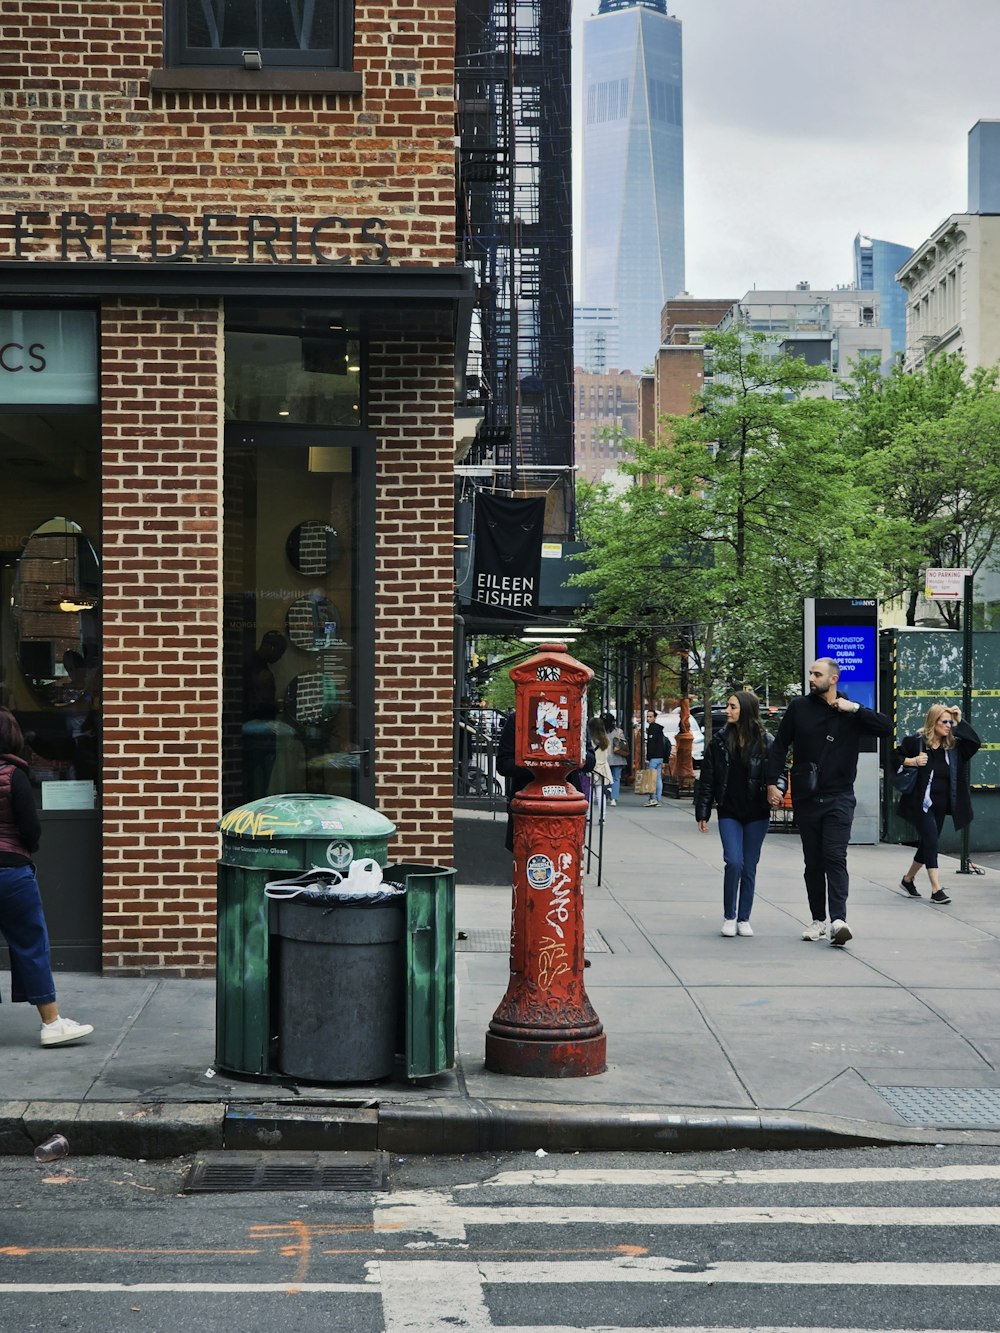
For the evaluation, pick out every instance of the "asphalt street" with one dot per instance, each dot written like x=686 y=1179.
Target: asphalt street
x=870 y=1239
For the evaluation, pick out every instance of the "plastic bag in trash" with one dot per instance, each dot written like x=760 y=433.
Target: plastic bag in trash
x=362 y=883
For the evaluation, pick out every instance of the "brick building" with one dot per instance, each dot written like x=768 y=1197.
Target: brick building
x=607 y=414
x=229 y=308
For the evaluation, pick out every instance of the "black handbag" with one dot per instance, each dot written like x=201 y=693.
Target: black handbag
x=905 y=779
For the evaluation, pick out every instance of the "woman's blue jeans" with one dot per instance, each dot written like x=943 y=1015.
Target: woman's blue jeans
x=741 y=844
x=22 y=924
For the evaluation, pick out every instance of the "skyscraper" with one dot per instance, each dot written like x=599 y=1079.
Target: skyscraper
x=633 y=169
x=876 y=264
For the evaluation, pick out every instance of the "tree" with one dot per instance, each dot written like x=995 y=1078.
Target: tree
x=743 y=508
x=928 y=449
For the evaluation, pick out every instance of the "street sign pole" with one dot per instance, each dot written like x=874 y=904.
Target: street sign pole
x=966 y=867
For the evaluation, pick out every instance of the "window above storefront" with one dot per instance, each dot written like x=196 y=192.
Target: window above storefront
x=258 y=45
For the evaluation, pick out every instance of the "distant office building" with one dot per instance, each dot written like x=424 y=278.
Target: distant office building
x=876 y=264
x=633 y=169
x=835 y=329
x=607 y=414
x=595 y=338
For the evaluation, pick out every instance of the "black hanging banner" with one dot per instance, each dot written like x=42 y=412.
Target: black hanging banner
x=506 y=573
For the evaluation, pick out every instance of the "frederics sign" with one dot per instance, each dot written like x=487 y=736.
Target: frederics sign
x=221 y=238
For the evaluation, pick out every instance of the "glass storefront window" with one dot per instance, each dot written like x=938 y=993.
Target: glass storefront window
x=291 y=720
x=50 y=598
x=293 y=379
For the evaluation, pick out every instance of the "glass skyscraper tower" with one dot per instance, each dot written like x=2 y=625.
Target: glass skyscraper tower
x=633 y=169
x=876 y=264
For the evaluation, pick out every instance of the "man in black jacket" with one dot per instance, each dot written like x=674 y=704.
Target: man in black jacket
x=657 y=753
x=825 y=731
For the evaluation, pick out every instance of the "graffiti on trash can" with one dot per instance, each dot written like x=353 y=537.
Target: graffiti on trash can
x=254 y=824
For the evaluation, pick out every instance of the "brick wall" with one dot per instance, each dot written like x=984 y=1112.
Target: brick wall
x=160 y=391
x=412 y=389
x=80 y=129
x=82 y=132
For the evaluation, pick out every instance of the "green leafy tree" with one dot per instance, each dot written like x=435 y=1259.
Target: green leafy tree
x=740 y=510
x=928 y=449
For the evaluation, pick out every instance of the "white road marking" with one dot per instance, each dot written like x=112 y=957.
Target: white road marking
x=449 y=1221
x=653 y=1269
x=193 y=1288
x=454 y=1300
x=836 y=1175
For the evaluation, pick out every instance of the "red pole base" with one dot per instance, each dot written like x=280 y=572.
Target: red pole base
x=535 y=1058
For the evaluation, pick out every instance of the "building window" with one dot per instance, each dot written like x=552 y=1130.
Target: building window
x=259 y=34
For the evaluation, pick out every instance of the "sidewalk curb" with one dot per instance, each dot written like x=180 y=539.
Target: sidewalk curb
x=159 y=1130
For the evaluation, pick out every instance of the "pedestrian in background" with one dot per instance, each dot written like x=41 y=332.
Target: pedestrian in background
x=657 y=753
x=825 y=729
x=619 y=757
x=22 y=920
x=601 y=742
x=733 y=778
x=940 y=752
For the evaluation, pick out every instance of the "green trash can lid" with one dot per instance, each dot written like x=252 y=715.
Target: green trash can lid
x=305 y=815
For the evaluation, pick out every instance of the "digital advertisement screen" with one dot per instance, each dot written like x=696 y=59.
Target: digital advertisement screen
x=854 y=648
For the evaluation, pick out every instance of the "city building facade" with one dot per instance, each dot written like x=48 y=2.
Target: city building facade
x=229 y=309
x=633 y=170
x=606 y=417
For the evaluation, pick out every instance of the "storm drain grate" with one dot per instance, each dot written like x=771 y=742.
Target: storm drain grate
x=945 y=1108
x=498 y=941
x=240 y=1172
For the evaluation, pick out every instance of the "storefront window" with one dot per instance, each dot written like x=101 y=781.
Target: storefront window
x=293 y=380
x=291 y=721
x=50 y=598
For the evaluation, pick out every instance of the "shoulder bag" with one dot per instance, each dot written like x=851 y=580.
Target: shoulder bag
x=905 y=779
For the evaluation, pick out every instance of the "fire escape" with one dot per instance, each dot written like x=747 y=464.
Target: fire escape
x=514 y=203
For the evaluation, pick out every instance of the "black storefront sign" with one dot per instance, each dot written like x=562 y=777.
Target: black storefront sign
x=507 y=567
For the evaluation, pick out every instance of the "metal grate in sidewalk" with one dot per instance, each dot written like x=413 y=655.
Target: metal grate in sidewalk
x=498 y=941
x=945 y=1108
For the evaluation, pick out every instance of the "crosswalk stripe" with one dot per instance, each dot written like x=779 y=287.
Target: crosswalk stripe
x=836 y=1175
x=448 y=1221
x=655 y=1269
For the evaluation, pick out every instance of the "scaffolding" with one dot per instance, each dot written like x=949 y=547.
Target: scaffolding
x=515 y=229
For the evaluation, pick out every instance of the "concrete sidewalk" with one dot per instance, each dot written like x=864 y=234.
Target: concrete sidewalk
x=712 y=1042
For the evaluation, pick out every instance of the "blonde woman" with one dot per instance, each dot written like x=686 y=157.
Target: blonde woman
x=941 y=752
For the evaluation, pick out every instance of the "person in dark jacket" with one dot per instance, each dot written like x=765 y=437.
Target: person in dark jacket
x=22 y=921
x=733 y=778
x=941 y=751
x=518 y=778
x=657 y=753
x=825 y=729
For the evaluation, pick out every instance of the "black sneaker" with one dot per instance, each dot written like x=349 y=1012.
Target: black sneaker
x=910 y=887
x=940 y=897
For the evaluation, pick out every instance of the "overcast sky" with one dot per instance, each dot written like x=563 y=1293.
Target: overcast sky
x=807 y=121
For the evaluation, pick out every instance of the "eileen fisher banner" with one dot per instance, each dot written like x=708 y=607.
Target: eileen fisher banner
x=506 y=574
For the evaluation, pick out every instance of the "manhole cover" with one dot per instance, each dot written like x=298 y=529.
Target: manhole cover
x=498 y=941
x=945 y=1108
x=236 y=1172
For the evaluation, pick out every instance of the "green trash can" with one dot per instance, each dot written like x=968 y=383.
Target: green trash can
x=273 y=838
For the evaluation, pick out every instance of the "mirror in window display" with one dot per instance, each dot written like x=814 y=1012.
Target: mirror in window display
x=54 y=603
x=285 y=378
x=313 y=548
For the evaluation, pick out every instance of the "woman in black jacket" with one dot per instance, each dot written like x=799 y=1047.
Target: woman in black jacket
x=733 y=779
x=941 y=752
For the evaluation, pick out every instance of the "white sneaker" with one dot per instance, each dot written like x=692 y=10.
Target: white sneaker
x=839 y=934
x=744 y=928
x=814 y=931
x=64 y=1030
x=612 y=803
x=728 y=928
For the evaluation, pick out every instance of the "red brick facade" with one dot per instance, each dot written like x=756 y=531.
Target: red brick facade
x=82 y=132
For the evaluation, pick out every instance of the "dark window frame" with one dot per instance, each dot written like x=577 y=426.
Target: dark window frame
x=179 y=55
